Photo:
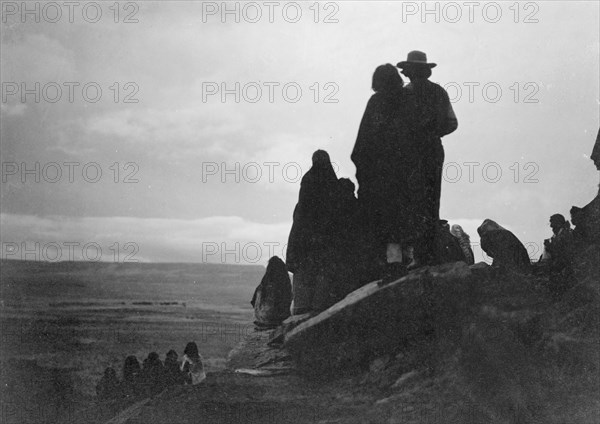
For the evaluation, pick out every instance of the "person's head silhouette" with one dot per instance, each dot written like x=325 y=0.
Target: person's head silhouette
x=386 y=79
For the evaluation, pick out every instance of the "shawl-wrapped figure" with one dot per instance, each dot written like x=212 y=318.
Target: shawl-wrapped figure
x=173 y=374
x=319 y=250
x=503 y=246
x=108 y=387
x=131 y=384
x=389 y=162
x=273 y=296
x=311 y=240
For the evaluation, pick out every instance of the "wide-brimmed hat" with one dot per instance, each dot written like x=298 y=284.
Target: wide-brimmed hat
x=416 y=58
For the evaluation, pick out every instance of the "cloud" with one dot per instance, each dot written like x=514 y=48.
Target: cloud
x=17 y=109
x=36 y=57
x=174 y=132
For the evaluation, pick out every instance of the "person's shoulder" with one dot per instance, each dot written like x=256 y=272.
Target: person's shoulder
x=437 y=88
x=375 y=98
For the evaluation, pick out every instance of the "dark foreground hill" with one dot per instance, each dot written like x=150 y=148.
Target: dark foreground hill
x=512 y=353
x=63 y=323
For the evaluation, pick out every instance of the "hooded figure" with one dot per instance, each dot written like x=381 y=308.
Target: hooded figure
x=587 y=222
x=503 y=246
x=153 y=374
x=311 y=244
x=131 y=377
x=173 y=375
x=389 y=169
x=273 y=296
x=465 y=243
x=108 y=387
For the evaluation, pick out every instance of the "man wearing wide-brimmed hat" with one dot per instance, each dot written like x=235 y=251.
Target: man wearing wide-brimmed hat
x=438 y=120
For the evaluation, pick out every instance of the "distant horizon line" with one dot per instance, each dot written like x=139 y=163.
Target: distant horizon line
x=125 y=263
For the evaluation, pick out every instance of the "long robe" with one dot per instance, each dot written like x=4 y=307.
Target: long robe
x=273 y=296
x=389 y=169
x=436 y=118
x=313 y=232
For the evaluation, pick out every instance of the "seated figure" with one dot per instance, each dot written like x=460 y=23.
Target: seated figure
x=192 y=365
x=173 y=374
x=503 y=246
x=131 y=385
x=154 y=373
x=273 y=296
x=449 y=248
x=559 y=246
x=587 y=222
x=108 y=387
x=465 y=243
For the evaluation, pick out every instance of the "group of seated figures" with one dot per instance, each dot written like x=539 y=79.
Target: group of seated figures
x=153 y=376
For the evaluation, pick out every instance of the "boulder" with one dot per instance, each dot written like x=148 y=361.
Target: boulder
x=374 y=320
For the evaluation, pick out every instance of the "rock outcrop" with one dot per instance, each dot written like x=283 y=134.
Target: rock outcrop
x=374 y=320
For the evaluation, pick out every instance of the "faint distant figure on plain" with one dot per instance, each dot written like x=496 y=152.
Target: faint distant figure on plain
x=131 y=377
x=311 y=243
x=109 y=385
x=438 y=117
x=504 y=247
x=173 y=374
x=192 y=365
x=465 y=243
x=273 y=296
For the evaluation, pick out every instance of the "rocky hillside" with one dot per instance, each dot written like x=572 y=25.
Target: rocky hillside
x=491 y=349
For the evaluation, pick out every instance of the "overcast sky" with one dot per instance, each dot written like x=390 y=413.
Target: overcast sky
x=188 y=171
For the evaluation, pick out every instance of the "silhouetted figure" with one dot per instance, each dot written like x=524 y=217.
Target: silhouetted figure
x=152 y=375
x=311 y=243
x=596 y=152
x=503 y=246
x=448 y=245
x=131 y=377
x=438 y=118
x=109 y=385
x=559 y=246
x=465 y=243
x=273 y=296
x=391 y=190
x=192 y=365
x=173 y=374
x=559 y=251
x=587 y=223
x=349 y=248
